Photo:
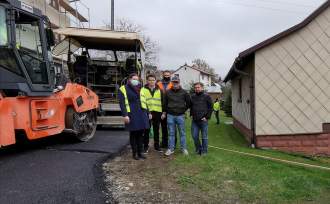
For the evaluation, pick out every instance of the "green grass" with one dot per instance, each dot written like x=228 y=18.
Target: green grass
x=233 y=177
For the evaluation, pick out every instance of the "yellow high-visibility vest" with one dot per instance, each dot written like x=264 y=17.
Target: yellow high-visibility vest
x=216 y=106
x=154 y=103
x=128 y=109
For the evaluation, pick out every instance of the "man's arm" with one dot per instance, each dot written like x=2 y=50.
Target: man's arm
x=122 y=104
x=188 y=100
x=165 y=102
x=164 y=105
x=162 y=99
x=209 y=107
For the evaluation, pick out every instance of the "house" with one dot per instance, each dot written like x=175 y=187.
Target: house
x=281 y=88
x=214 y=91
x=61 y=13
x=191 y=74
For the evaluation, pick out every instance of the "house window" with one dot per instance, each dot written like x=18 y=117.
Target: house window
x=240 y=90
x=202 y=77
x=54 y=4
x=177 y=75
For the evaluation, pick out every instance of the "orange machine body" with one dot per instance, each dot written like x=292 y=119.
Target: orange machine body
x=42 y=116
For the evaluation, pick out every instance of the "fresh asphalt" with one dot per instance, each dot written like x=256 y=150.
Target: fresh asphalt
x=57 y=169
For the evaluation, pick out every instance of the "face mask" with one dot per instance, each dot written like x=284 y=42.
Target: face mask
x=167 y=78
x=135 y=82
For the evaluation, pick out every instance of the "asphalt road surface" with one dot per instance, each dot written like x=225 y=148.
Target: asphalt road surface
x=57 y=169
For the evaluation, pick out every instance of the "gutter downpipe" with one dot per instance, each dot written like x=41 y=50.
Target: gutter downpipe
x=252 y=102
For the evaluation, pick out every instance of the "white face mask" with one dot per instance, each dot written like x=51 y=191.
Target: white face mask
x=135 y=82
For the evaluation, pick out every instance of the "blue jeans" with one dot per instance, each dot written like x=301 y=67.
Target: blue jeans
x=196 y=127
x=172 y=122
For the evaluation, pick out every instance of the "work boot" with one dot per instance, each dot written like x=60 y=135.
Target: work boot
x=158 y=149
x=141 y=156
x=135 y=156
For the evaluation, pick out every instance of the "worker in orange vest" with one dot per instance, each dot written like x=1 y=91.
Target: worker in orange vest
x=164 y=85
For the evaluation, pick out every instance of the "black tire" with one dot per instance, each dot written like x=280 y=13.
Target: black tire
x=83 y=125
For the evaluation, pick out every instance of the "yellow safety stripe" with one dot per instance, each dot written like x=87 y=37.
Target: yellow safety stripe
x=123 y=90
x=142 y=99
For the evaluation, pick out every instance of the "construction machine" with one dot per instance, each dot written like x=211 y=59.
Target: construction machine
x=34 y=100
x=102 y=60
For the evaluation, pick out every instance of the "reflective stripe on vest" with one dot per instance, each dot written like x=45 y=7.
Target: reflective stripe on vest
x=143 y=100
x=128 y=109
x=123 y=90
x=154 y=103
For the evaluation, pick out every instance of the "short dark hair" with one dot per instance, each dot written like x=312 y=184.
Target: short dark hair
x=132 y=75
x=151 y=76
x=199 y=83
x=168 y=71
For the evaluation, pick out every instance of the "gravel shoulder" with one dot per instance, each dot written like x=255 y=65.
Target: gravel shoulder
x=145 y=181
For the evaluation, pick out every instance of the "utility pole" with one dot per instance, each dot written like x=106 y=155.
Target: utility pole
x=112 y=14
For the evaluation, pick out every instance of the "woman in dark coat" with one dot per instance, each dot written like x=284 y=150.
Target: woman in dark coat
x=136 y=118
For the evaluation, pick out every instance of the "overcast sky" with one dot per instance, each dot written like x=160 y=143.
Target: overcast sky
x=214 y=30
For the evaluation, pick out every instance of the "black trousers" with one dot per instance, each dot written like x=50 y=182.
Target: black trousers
x=164 y=143
x=136 y=138
x=155 y=122
x=216 y=113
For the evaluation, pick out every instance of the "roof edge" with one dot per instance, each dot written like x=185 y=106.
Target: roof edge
x=277 y=37
x=185 y=65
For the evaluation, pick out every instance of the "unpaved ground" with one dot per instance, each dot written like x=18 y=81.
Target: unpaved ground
x=144 y=181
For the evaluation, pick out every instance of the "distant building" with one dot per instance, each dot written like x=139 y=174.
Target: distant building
x=214 y=91
x=61 y=14
x=191 y=74
x=281 y=88
x=150 y=69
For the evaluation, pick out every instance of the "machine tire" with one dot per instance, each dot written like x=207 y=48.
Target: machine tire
x=83 y=125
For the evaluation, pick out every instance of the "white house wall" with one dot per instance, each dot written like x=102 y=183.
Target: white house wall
x=241 y=109
x=293 y=81
x=187 y=76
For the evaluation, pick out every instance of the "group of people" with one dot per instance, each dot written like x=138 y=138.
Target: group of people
x=164 y=103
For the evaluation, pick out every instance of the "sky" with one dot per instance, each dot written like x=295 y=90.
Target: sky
x=213 y=30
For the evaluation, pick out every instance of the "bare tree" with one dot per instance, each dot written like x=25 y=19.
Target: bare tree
x=203 y=65
x=151 y=47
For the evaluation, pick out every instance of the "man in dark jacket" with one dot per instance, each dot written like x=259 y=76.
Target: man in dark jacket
x=200 y=111
x=176 y=103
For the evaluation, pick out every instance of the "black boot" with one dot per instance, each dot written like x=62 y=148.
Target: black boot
x=135 y=156
x=141 y=156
